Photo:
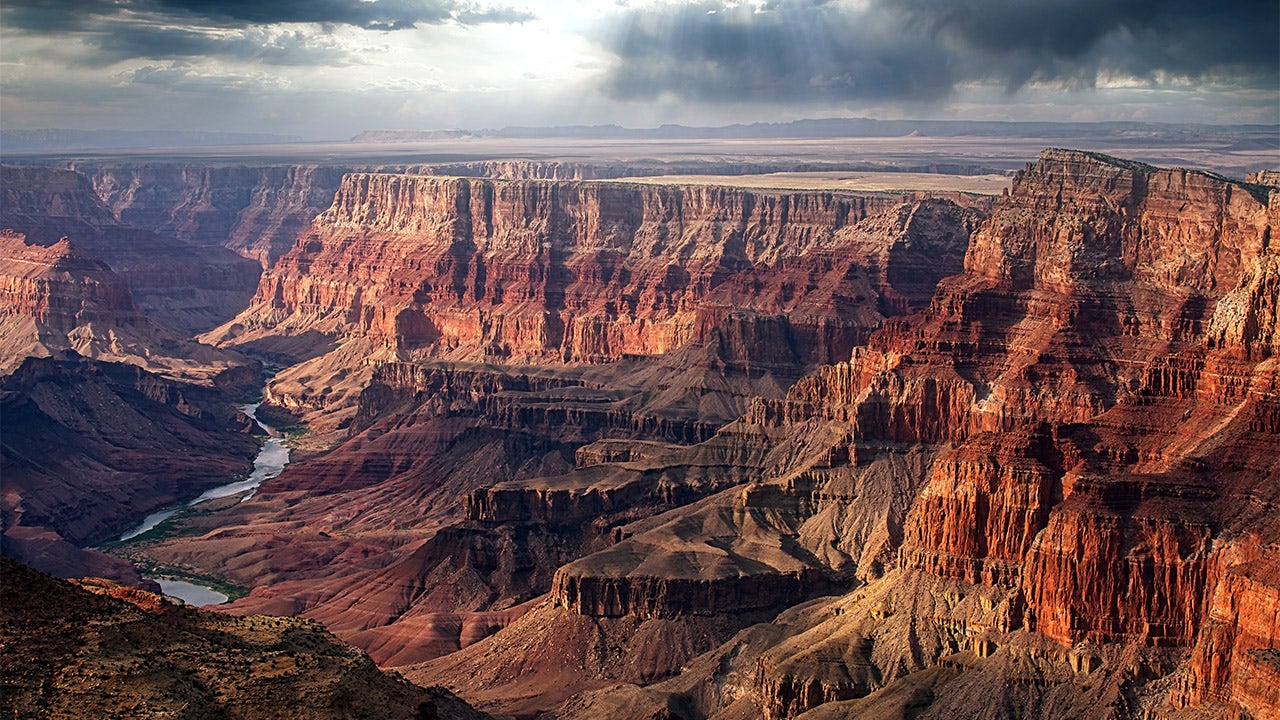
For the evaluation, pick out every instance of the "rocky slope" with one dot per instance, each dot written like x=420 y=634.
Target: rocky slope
x=96 y=649
x=1059 y=479
x=90 y=448
x=176 y=283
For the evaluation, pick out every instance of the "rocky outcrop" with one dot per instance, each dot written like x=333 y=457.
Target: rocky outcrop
x=259 y=210
x=1270 y=178
x=985 y=503
x=176 y=283
x=60 y=287
x=1234 y=664
x=605 y=491
x=95 y=649
x=663 y=596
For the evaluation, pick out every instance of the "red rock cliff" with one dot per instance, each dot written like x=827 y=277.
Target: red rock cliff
x=1099 y=390
x=572 y=272
x=257 y=211
x=60 y=287
x=176 y=283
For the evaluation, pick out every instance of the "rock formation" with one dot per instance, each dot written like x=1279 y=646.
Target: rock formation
x=176 y=283
x=57 y=298
x=255 y=211
x=1092 y=403
x=96 y=649
x=90 y=448
x=259 y=210
x=415 y=267
x=472 y=482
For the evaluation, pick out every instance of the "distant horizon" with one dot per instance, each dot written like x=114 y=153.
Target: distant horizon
x=585 y=130
x=333 y=69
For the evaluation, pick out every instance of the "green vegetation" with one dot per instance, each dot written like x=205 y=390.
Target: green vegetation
x=166 y=571
x=172 y=527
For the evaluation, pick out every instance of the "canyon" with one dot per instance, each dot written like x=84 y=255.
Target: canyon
x=581 y=448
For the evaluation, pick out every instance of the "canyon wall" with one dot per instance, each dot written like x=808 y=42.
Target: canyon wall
x=1020 y=464
x=57 y=298
x=259 y=210
x=256 y=211
x=108 y=414
x=91 y=447
x=176 y=283
x=62 y=287
x=1098 y=390
x=478 y=333
x=417 y=267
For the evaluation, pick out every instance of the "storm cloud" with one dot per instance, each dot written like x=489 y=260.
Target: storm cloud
x=922 y=50
x=163 y=29
x=334 y=67
x=790 y=50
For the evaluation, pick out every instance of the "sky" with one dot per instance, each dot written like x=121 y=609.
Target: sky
x=328 y=69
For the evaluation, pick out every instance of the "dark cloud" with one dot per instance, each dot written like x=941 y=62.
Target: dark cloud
x=158 y=43
x=920 y=50
x=783 y=51
x=1078 y=39
x=376 y=15
x=160 y=29
x=50 y=15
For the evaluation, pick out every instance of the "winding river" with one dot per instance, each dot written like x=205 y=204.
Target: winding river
x=269 y=463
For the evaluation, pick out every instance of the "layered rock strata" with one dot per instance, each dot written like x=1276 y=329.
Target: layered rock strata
x=512 y=270
x=411 y=267
x=57 y=298
x=1095 y=401
x=455 y=486
x=256 y=211
x=1057 y=479
x=176 y=283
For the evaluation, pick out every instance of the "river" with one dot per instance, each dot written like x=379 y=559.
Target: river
x=269 y=463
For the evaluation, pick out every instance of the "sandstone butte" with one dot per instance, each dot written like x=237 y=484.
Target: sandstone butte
x=652 y=452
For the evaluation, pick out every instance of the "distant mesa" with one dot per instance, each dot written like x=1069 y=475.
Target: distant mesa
x=408 y=136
